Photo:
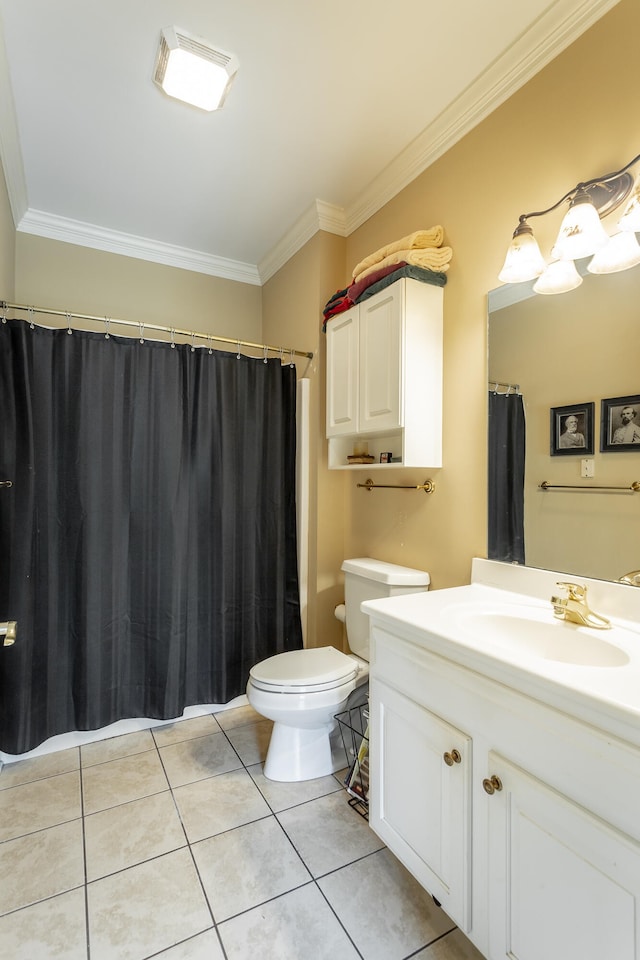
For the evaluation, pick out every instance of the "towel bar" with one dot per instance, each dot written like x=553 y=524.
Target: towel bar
x=428 y=486
x=545 y=485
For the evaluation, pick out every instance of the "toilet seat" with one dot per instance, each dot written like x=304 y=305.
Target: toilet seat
x=304 y=671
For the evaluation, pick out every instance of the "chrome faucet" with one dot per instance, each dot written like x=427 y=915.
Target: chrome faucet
x=633 y=577
x=574 y=607
x=8 y=630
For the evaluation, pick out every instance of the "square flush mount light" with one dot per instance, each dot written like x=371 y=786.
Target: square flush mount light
x=190 y=69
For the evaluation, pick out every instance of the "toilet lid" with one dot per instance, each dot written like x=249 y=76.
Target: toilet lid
x=314 y=668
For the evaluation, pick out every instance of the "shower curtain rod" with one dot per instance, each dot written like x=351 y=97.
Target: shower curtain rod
x=5 y=305
x=508 y=387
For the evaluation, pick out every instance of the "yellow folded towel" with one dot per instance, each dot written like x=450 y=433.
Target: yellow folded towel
x=415 y=241
x=436 y=258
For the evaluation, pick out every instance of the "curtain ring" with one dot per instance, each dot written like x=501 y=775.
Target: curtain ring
x=291 y=361
x=281 y=356
x=4 y=311
x=69 y=330
x=265 y=350
x=209 y=342
x=193 y=342
x=30 y=315
x=106 y=328
x=238 y=353
x=173 y=338
x=141 y=325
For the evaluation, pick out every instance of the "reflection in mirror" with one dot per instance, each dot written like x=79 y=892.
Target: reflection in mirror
x=576 y=348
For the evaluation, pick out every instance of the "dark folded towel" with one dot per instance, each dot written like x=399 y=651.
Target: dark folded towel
x=357 y=292
x=433 y=277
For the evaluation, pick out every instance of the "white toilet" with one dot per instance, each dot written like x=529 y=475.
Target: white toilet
x=302 y=690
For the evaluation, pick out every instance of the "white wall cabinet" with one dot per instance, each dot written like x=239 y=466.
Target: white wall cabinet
x=384 y=376
x=531 y=840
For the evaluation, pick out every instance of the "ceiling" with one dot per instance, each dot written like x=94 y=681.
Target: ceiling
x=335 y=108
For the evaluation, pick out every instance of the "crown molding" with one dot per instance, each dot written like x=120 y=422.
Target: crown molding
x=552 y=33
x=319 y=216
x=46 y=225
x=558 y=27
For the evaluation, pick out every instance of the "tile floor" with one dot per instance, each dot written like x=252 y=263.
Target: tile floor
x=172 y=844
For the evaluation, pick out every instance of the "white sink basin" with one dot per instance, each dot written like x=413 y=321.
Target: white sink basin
x=535 y=632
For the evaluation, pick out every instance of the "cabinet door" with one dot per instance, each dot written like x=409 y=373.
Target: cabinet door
x=563 y=884
x=380 y=361
x=418 y=804
x=342 y=374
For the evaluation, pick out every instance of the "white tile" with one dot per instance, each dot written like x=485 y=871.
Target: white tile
x=206 y=946
x=145 y=909
x=196 y=759
x=38 y=768
x=328 y=834
x=184 y=730
x=54 y=929
x=455 y=946
x=131 y=833
x=211 y=806
x=281 y=796
x=119 y=781
x=41 y=865
x=113 y=748
x=251 y=741
x=297 y=925
x=237 y=717
x=410 y=919
x=244 y=867
x=38 y=805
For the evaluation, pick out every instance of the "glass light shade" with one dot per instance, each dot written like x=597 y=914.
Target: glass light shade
x=559 y=277
x=188 y=68
x=194 y=80
x=620 y=253
x=524 y=260
x=630 y=219
x=581 y=232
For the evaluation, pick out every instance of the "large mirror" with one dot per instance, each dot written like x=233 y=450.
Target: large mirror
x=575 y=348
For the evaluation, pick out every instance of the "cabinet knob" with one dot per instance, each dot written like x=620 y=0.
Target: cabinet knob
x=454 y=757
x=491 y=785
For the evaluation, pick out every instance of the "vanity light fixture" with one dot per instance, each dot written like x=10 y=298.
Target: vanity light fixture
x=581 y=235
x=189 y=68
x=559 y=277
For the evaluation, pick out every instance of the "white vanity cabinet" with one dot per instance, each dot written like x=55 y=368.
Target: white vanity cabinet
x=562 y=882
x=530 y=841
x=384 y=376
x=422 y=807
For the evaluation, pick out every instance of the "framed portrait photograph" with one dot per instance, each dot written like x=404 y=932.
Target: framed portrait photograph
x=620 y=424
x=572 y=430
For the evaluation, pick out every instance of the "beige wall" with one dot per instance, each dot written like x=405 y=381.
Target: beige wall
x=64 y=276
x=575 y=348
x=573 y=121
x=7 y=244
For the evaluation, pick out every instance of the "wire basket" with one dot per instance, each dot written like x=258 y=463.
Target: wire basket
x=354 y=730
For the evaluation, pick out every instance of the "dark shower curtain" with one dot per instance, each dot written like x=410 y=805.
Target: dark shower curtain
x=506 y=477
x=148 y=543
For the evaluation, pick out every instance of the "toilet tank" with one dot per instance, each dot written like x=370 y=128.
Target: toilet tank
x=369 y=579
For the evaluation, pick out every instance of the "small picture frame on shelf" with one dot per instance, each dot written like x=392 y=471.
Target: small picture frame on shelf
x=620 y=424
x=385 y=456
x=572 y=430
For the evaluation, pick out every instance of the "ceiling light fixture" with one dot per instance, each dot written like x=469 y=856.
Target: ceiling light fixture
x=188 y=68
x=581 y=235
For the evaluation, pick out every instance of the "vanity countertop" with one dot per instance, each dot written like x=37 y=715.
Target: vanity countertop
x=593 y=675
